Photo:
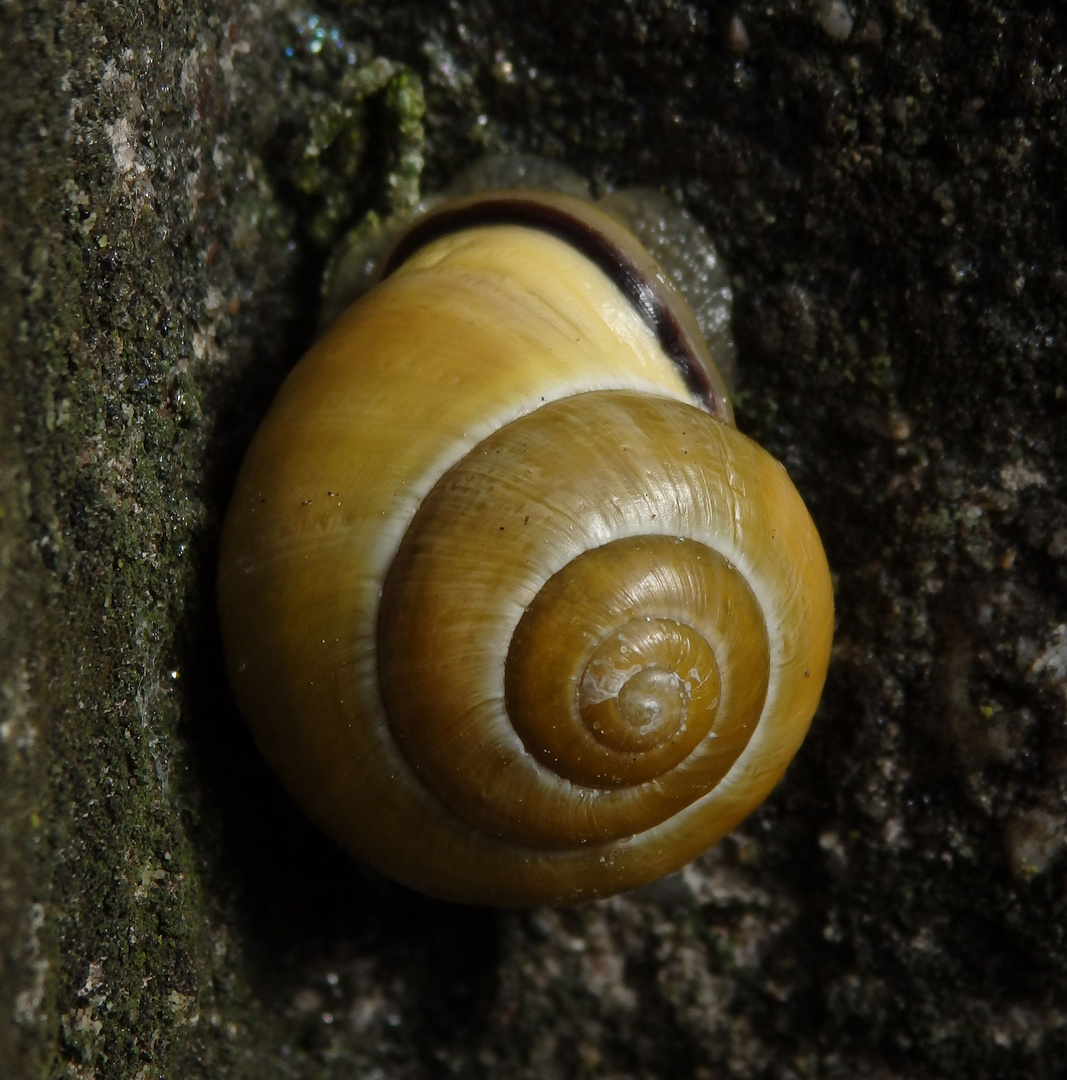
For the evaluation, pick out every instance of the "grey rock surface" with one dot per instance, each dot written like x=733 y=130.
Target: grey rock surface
x=885 y=182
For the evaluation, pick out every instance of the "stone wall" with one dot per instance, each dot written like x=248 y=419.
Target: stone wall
x=885 y=180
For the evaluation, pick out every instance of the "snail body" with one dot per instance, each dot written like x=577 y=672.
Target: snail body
x=514 y=611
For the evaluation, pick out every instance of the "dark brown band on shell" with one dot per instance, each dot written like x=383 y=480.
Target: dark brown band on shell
x=647 y=297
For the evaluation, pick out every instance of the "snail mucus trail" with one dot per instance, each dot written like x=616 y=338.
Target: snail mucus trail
x=514 y=611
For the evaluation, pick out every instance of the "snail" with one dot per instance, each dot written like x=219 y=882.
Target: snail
x=514 y=611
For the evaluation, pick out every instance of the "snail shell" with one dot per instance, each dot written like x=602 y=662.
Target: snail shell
x=514 y=611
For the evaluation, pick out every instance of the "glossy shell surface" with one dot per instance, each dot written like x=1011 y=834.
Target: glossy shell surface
x=514 y=611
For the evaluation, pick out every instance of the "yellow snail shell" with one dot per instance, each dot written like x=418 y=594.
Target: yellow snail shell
x=514 y=611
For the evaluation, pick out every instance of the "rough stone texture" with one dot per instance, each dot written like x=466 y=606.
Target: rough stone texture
x=886 y=182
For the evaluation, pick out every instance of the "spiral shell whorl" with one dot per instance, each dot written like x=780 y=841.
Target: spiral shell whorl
x=623 y=642
x=641 y=558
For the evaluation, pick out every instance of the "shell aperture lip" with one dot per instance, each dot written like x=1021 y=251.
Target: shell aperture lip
x=607 y=246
